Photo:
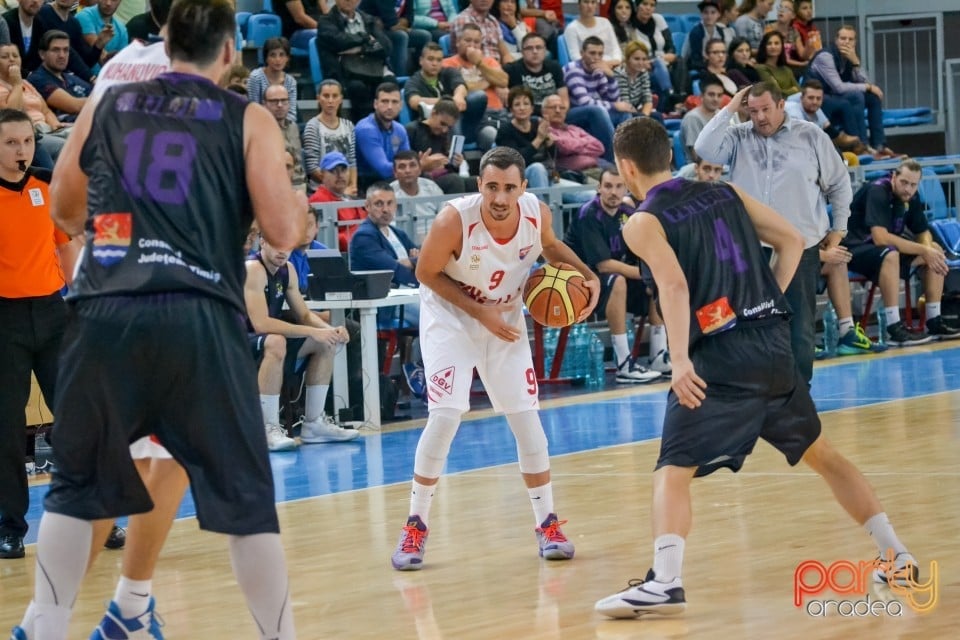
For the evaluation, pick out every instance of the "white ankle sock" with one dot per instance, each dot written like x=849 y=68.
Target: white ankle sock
x=658 y=339
x=667 y=557
x=621 y=350
x=893 y=315
x=880 y=529
x=421 y=497
x=845 y=325
x=133 y=596
x=315 y=401
x=542 y=500
x=270 y=405
x=933 y=310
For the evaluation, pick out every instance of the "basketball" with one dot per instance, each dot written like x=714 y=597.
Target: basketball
x=555 y=294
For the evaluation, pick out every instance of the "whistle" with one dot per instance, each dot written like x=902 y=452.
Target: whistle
x=22 y=165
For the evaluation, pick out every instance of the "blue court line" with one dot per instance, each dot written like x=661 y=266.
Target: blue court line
x=591 y=423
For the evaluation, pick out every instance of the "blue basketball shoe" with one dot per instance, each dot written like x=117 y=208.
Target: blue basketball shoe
x=115 y=627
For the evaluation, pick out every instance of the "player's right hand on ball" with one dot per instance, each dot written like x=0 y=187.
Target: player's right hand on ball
x=492 y=319
x=687 y=384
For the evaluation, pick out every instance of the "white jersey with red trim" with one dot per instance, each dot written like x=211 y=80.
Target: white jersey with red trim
x=137 y=62
x=489 y=271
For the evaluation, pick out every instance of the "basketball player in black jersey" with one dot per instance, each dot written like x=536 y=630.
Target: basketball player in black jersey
x=733 y=376
x=165 y=184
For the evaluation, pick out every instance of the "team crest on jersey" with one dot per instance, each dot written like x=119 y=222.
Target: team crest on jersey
x=474 y=262
x=111 y=237
x=716 y=316
x=442 y=380
x=525 y=250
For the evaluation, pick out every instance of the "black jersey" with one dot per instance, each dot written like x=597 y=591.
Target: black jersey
x=167 y=198
x=718 y=249
x=275 y=291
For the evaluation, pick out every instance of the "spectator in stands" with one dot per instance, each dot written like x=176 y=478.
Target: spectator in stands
x=591 y=82
x=589 y=25
x=430 y=138
x=808 y=108
x=37 y=262
x=806 y=29
x=379 y=136
x=236 y=79
x=93 y=20
x=435 y=16
x=17 y=93
x=397 y=19
x=410 y=184
x=334 y=173
x=695 y=46
x=884 y=215
x=300 y=16
x=530 y=136
x=595 y=236
x=277 y=102
x=434 y=81
x=793 y=47
x=717 y=66
x=729 y=12
x=548 y=21
x=634 y=80
x=772 y=64
x=576 y=150
x=61 y=15
x=480 y=73
x=143 y=26
x=64 y=92
x=278 y=345
x=848 y=91
x=513 y=27
x=669 y=73
x=750 y=24
x=707 y=171
x=276 y=57
x=740 y=64
x=16 y=21
x=491 y=43
x=695 y=120
x=355 y=50
x=795 y=184
x=327 y=132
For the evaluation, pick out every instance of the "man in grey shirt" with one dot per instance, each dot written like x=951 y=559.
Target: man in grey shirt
x=792 y=166
x=696 y=119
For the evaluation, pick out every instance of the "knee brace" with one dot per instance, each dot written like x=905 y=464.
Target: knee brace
x=435 y=442
x=532 y=450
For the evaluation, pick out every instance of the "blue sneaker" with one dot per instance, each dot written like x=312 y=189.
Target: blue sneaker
x=115 y=627
x=854 y=342
x=17 y=633
x=416 y=379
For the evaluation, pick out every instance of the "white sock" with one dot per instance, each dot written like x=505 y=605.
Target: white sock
x=27 y=623
x=893 y=315
x=133 y=596
x=845 y=326
x=542 y=500
x=667 y=557
x=316 y=400
x=62 y=548
x=421 y=497
x=658 y=339
x=270 y=405
x=261 y=571
x=933 y=310
x=50 y=621
x=880 y=529
x=621 y=350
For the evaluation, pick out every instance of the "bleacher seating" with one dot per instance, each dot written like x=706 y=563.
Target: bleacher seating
x=675 y=23
x=933 y=197
x=907 y=117
x=679 y=37
x=260 y=28
x=445 y=43
x=690 y=20
x=679 y=153
x=243 y=17
x=563 y=55
x=316 y=73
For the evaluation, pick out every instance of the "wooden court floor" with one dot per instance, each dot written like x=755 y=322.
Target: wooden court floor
x=483 y=578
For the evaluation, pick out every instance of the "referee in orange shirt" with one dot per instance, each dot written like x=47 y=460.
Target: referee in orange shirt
x=36 y=260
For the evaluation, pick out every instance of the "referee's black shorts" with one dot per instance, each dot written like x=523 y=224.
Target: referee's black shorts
x=174 y=365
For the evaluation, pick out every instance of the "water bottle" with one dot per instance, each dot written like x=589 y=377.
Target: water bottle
x=595 y=379
x=830 y=330
x=630 y=338
x=881 y=326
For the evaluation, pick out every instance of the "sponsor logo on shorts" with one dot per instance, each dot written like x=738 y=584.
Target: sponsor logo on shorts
x=111 y=237
x=443 y=380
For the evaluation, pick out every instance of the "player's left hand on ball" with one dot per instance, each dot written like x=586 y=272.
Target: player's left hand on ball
x=687 y=384
x=594 y=287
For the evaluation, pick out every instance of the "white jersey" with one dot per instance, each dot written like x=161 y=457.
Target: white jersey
x=137 y=62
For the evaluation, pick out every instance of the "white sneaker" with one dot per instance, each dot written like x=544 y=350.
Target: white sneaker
x=661 y=363
x=324 y=429
x=278 y=440
x=643 y=597
x=632 y=372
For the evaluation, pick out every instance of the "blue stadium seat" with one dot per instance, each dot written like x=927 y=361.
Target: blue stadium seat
x=243 y=17
x=679 y=153
x=405 y=114
x=316 y=74
x=679 y=37
x=695 y=87
x=672 y=124
x=563 y=56
x=907 y=117
x=268 y=6
x=947 y=235
x=932 y=195
x=675 y=23
x=445 y=42
x=260 y=28
x=690 y=20
x=301 y=37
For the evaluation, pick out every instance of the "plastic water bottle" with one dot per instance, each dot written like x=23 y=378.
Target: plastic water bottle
x=830 y=330
x=595 y=379
x=881 y=326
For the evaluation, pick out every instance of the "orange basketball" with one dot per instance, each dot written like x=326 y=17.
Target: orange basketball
x=555 y=294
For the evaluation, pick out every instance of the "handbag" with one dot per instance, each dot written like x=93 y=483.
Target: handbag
x=368 y=64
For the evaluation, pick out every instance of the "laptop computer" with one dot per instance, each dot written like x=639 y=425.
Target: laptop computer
x=331 y=279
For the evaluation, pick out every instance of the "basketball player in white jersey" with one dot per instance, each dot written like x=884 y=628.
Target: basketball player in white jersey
x=163 y=477
x=472 y=268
